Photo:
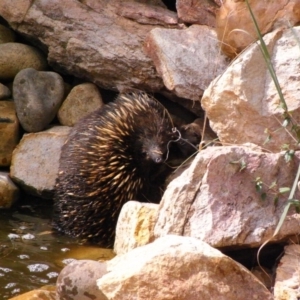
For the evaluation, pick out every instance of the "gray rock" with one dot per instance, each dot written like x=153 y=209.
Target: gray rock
x=35 y=161
x=15 y=57
x=216 y=199
x=38 y=96
x=187 y=60
x=88 y=40
x=9 y=192
x=77 y=281
x=243 y=105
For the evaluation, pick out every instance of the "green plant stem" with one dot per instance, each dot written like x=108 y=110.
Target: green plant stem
x=267 y=58
x=291 y=196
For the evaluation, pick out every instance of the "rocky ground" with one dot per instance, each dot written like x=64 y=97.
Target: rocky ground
x=60 y=60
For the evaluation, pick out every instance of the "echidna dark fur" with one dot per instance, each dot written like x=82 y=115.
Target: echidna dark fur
x=107 y=160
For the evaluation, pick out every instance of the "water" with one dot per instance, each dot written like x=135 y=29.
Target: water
x=32 y=256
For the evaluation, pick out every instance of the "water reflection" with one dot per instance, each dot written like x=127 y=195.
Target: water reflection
x=30 y=254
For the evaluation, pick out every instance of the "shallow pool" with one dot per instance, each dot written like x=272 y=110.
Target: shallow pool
x=31 y=256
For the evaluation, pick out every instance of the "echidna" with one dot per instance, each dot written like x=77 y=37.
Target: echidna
x=108 y=159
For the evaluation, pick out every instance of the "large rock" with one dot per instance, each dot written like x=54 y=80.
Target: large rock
x=175 y=267
x=15 y=57
x=243 y=104
x=9 y=131
x=88 y=40
x=35 y=161
x=38 y=96
x=217 y=199
x=235 y=26
x=187 y=60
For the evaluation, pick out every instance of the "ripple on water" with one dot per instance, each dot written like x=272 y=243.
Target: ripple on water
x=28 y=250
x=30 y=255
x=37 y=268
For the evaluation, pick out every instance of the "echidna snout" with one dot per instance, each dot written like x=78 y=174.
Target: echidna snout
x=155 y=154
x=154 y=149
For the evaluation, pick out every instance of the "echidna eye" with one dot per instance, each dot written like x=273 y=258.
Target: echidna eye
x=144 y=154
